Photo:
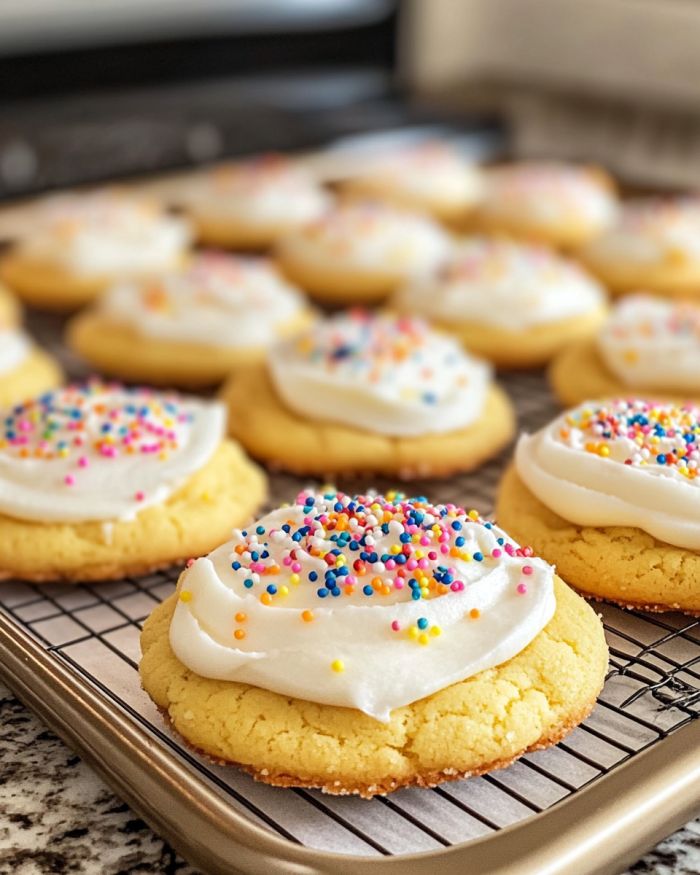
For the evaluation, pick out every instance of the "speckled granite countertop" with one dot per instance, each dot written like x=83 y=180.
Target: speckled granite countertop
x=57 y=816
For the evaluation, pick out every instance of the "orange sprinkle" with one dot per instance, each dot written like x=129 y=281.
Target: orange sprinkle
x=266 y=598
x=239 y=634
x=241 y=617
x=307 y=616
x=475 y=613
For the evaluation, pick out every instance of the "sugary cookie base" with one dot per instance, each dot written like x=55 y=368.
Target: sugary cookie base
x=616 y=563
x=453 y=213
x=559 y=234
x=122 y=352
x=469 y=728
x=36 y=374
x=283 y=439
x=579 y=374
x=527 y=348
x=675 y=277
x=225 y=493
x=230 y=233
x=51 y=286
x=9 y=308
x=343 y=285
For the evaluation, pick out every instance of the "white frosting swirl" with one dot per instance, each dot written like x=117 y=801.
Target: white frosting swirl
x=101 y=452
x=500 y=282
x=270 y=190
x=427 y=173
x=105 y=233
x=312 y=602
x=650 y=231
x=369 y=236
x=548 y=192
x=220 y=300
x=653 y=343
x=384 y=374
x=625 y=463
x=14 y=349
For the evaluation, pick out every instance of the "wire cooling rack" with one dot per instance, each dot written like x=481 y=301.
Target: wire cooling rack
x=652 y=690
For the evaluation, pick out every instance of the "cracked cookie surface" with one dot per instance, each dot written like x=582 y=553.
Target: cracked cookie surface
x=621 y=564
x=468 y=728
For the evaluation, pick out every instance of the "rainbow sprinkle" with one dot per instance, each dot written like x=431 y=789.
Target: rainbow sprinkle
x=663 y=438
x=95 y=421
x=342 y=532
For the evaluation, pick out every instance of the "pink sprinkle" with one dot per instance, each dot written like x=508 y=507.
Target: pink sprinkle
x=398 y=583
x=83 y=462
x=444 y=548
x=521 y=588
x=457 y=586
x=189 y=563
x=69 y=480
x=411 y=564
x=139 y=496
x=390 y=564
x=432 y=555
x=296 y=567
x=424 y=541
x=496 y=553
x=287 y=560
x=395 y=625
x=527 y=569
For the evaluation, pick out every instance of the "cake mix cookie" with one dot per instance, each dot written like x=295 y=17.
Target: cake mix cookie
x=190 y=328
x=251 y=204
x=25 y=370
x=563 y=205
x=514 y=303
x=9 y=308
x=100 y=482
x=649 y=346
x=654 y=245
x=388 y=642
x=80 y=243
x=361 y=252
x=609 y=493
x=431 y=176
x=370 y=394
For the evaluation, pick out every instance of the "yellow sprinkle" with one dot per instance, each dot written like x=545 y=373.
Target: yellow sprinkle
x=603 y=450
x=338 y=665
x=423 y=639
x=185 y=596
x=283 y=590
x=435 y=631
x=413 y=632
x=294 y=578
x=473 y=514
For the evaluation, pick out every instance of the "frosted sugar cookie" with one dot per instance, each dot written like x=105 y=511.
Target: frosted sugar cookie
x=99 y=481
x=609 y=493
x=388 y=642
x=654 y=245
x=25 y=370
x=514 y=303
x=360 y=393
x=563 y=205
x=649 y=346
x=81 y=243
x=251 y=204
x=190 y=328
x=430 y=176
x=361 y=252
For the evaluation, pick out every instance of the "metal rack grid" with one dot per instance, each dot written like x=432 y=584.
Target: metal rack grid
x=653 y=689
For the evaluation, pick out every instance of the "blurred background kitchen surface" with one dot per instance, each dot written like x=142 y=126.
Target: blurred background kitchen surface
x=95 y=90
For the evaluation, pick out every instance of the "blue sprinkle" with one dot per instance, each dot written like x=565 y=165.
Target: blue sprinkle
x=367 y=590
x=235 y=565
x=247 y=583
x=322 y=592
x=422 y=623
x=272 y=589
x=313 y=575
x=260 y=530
x=478 y=557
